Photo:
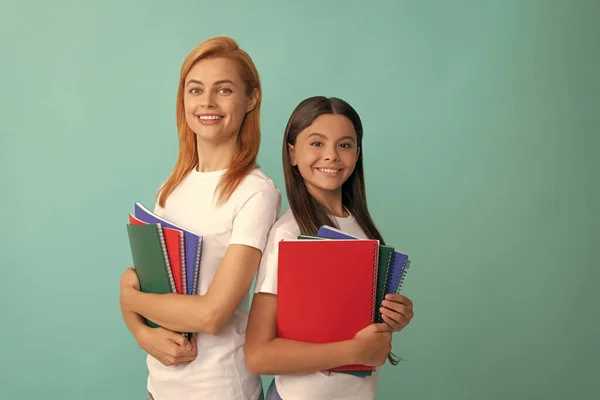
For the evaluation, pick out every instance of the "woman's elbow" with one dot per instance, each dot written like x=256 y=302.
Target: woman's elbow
x=210 y=321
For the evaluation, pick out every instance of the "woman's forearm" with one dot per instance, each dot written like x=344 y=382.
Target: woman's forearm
x=179 y=313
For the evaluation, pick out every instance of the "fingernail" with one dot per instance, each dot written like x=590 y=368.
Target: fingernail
x=188 y=346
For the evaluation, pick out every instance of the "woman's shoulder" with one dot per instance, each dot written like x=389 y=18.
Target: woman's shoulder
x=257 y=179
x=286 y=226
x=257 y=182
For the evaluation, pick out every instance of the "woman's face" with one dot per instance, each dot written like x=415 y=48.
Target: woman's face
x=216 y=100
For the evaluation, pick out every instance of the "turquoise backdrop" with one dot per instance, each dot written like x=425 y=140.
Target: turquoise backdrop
x=481 y=151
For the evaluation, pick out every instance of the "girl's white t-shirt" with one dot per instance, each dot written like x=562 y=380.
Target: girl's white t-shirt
x=317 y=385
x=219 y=371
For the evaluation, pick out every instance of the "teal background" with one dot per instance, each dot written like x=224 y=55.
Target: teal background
x=481 y=153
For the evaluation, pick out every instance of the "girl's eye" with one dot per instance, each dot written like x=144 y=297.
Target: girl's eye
x=194 y=91
x=316 y=144
x=225 y=91
x=346 y=145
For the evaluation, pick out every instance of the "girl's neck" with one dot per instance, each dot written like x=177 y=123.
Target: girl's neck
x=331 y=200
x=214 y=156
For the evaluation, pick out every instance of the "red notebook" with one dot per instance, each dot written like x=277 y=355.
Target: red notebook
x=173 y=240
x=326 y=290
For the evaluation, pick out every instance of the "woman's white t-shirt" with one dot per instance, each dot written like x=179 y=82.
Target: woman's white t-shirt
x=317 y=385
x=219 y=371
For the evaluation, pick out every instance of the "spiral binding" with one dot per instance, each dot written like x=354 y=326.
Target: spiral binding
x=375 y=272
x=182 y=256
x=166 y=257
x=402 y=276
x=196 y=282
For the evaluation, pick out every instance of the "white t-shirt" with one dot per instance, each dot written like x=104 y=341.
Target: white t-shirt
x=317 y=385
x=219 y=371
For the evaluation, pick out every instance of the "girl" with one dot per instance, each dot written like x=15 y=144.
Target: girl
x=322 y=162
x=216 y=190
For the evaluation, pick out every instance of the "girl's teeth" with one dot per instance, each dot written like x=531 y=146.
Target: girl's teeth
x=210 y=117
x=330 y=171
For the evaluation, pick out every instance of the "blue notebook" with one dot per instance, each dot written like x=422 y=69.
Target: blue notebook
x=193 y=245
x=398 y=266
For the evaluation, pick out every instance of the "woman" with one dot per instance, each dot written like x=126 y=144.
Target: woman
x=217 y=191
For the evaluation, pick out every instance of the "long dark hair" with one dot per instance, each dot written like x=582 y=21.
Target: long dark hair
x=308 y=212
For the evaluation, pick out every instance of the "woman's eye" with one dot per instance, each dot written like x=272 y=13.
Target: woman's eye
x=315 y=144
x=194 y=91
x=225 y=91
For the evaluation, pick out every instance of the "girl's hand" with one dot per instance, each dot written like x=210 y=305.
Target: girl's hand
x=373 y=345
x=170 y=348
x=397 y=311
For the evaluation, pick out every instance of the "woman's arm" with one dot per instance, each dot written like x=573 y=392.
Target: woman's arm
x=207 y=313
x=267 y=354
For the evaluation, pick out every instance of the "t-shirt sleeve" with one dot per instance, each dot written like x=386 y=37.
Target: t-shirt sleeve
x=255 y=218
x=266 y=279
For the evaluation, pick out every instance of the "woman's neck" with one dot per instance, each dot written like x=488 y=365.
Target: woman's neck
x=214 y=156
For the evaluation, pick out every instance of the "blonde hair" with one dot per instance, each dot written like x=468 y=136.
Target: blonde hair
x=244 y=161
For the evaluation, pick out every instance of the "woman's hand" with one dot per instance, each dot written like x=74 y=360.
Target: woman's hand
x=397 y=311
x=170 y=348
x=129 y=280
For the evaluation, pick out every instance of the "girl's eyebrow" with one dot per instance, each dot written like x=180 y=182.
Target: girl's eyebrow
x=325 y=137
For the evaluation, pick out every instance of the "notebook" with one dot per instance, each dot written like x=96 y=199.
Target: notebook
x=149 y=254
x=398 y=270
x=175 y=252
x=315 y=273
x=398 y=264
x=385 y=259
x=192 y=241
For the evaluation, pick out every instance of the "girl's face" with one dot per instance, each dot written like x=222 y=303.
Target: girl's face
x=215 y=99
x=326 y=153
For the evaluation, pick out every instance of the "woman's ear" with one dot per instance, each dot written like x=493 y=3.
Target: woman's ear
x=253 y=100
x=292 y=154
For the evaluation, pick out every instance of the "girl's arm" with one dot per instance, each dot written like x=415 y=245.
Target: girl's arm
x=207 y=313
x=267 y=354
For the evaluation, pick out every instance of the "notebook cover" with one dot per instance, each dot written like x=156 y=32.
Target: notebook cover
x=385 y=259
x=174 y=242
x=306 y=295
x=398 y=268
x=193 y=245
x=148 y=259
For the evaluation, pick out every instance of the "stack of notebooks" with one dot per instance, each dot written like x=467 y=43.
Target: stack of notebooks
x=331 y=285
x=166 y=256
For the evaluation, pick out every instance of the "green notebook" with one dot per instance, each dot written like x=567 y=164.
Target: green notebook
x=386 y=254
x=150 y=260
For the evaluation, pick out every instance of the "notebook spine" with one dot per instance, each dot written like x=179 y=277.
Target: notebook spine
x=196 y=282
x=375 y=276
x=167 y=264
x=182 y=261
x=402 y=276
x=385 y=283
